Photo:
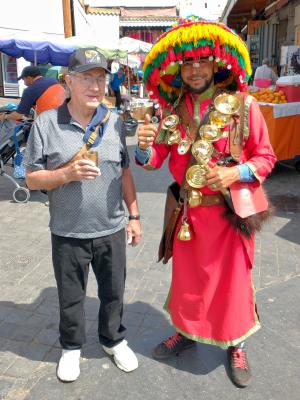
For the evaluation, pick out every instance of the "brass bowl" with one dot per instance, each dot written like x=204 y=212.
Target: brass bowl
x=210 y=133
x=195 y=177
x=219 y=119
x=170 y=122
x=227 y=104
x=202 y=149
x=174 y=137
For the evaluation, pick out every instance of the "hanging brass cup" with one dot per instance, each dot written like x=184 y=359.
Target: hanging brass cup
x=210 y=133
x=194 y=198
x=202 y=149
x=174 y=137
x=219 y=119
x=227 y=104
x=170 y=122
x=184 y=146
x=195 y=176
x=184 y=232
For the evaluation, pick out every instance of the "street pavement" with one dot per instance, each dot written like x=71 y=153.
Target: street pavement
x=29 y=309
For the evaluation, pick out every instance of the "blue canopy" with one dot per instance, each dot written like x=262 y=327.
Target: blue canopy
x=48 y=49
x=53 y=51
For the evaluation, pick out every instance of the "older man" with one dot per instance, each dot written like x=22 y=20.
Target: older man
x=87 y=218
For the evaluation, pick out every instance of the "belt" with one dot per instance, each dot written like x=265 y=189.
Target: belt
x=207 y=200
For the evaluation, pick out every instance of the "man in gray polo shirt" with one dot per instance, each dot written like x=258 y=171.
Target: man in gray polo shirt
x=87 y=217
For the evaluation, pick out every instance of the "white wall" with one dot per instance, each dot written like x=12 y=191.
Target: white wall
x=206 y=9
x=106 y=29
x=82 y=24
x=32 y=15
x=132 y=3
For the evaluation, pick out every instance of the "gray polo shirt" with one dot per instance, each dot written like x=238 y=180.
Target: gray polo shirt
x=85 y=209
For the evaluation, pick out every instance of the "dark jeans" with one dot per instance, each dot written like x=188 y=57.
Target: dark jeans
x=71 y=258
x=118 y=98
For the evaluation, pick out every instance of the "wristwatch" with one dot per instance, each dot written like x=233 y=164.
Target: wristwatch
x=131 y=217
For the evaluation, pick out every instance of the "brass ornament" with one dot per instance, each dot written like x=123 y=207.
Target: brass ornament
x=170 y=122
x=195 y=176
x=219 y=119
x=210 y=133
x=227 y=104
x=184 y=146
x=194 y=198
x=202 y=149
x=184 y=232
x=174 y=137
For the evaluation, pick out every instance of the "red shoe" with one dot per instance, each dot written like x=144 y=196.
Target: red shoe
x=239 y=368
x=172 y=346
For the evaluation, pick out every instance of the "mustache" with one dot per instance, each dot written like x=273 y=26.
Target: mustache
x=197 y=76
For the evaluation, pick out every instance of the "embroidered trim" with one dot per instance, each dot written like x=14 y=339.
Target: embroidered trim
x=248 y=102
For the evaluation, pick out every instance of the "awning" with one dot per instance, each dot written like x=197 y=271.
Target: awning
x=148 y=21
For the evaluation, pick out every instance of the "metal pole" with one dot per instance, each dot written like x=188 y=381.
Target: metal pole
x=128 y=76
x=35 y=58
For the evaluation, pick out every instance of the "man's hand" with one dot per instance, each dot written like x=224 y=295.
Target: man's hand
x=134 y=232
x=219 y=178
x=83 y=169
x=146 y=133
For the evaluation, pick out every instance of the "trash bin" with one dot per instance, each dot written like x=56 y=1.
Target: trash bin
x=131 y=125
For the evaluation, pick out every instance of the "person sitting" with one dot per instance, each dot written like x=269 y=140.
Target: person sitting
x=43 y=93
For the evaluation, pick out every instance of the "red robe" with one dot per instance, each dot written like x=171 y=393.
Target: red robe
x=212 y=299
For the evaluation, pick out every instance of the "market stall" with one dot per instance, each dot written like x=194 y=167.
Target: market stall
x=280 y=106
x=283 y=122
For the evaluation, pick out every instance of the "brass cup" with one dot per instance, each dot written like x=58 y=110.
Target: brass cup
x=202 y=149
x=93 y=155
x=195 y=177
x=170 y=122
x=174 y=137
x=210 y=133
x=194 y=198
x=184 y=232
x=227 y=104
x=219 y=119
x=184 y=146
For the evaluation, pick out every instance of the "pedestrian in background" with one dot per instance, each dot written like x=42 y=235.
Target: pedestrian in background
x=86 y=190
x=116 y=80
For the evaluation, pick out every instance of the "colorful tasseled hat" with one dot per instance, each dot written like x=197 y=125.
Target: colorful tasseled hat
x=195 y=38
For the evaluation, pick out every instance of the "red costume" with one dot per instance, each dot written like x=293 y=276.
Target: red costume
x=211 y=299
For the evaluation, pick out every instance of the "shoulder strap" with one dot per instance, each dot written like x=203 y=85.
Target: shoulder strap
x=85 y=148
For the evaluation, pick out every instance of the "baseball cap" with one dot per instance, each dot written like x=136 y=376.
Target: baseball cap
x=31 y=70
x=87 y=58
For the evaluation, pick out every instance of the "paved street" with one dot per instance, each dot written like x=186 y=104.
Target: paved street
x=29 y=309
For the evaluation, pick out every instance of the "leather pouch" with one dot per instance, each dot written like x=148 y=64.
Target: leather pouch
x=173 y=208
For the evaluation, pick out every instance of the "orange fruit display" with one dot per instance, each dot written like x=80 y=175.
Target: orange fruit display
x=269 y=96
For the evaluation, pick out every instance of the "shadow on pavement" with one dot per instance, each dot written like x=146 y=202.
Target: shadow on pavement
x=31 y=331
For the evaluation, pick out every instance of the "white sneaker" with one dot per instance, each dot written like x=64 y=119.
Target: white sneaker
x=124 y=357
x=68 y=367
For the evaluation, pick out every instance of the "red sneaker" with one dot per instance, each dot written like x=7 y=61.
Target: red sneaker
x=239 y=368
x=172 y=346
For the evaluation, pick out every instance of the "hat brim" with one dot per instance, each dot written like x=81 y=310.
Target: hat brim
x=85 y=68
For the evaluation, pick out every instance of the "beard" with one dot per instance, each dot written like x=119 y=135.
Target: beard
x=207 y=84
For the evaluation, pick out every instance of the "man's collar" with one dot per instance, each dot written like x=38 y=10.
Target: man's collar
x=63 y=113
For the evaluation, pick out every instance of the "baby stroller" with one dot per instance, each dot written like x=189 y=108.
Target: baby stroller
x=11 y=136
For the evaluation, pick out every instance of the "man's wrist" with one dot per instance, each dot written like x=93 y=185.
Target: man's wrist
x=134 y=217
